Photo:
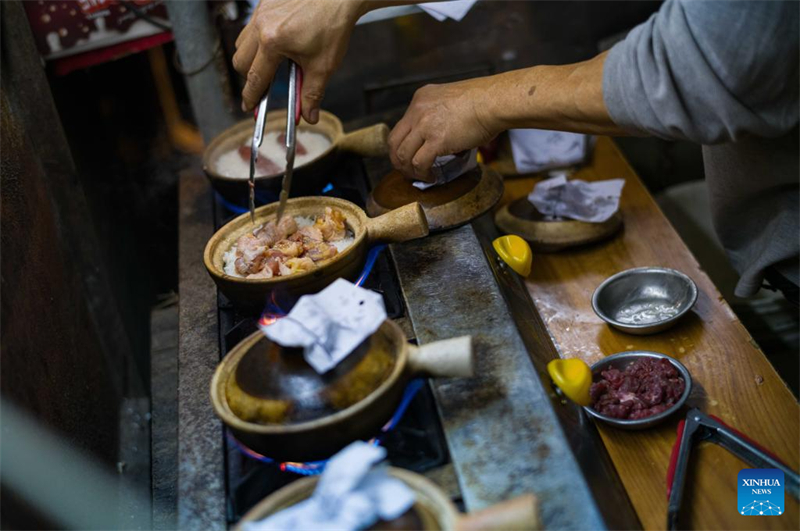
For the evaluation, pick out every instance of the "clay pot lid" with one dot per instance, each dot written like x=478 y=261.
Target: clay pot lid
x=275 y=385
x=520 y=217
x=447 y=206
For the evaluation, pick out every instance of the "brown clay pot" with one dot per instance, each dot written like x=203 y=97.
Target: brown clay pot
x=309 y=178
x=400 y=225
x=520 y=217
x=432 y=509
x=323 y=436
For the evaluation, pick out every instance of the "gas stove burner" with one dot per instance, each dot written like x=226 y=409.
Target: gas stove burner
x=265 y=197
x=317 y=467
x=262 y=198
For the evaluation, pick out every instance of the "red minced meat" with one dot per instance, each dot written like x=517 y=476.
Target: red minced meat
x=645 y=388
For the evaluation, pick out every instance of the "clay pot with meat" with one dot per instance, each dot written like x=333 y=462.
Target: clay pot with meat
x=303 y=276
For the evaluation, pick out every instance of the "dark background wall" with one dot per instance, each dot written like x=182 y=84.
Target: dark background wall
x=69 y=356
x=52 y=358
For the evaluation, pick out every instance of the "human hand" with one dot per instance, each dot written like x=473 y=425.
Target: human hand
x=441 y=120
x=313 y=34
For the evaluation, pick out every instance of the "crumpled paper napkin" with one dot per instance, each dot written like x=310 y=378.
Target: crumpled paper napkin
x=330 y=324
x=456 y=9
x=449 y=167
x=594 y=202
x=351 y=494
x=537 y=150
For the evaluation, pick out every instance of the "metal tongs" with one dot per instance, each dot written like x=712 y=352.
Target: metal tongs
x=258 y=138
x=295 y=88
x=701 y=427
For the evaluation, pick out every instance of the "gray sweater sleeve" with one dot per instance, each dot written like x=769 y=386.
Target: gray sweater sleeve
x=707 y=71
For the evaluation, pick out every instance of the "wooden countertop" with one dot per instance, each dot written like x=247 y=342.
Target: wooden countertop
x=733 y=380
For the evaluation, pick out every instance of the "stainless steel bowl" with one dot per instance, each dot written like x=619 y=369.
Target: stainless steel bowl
x=644 y=300
x=621 y=362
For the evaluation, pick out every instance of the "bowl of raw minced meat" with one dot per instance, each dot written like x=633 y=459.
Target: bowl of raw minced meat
x=637 y=390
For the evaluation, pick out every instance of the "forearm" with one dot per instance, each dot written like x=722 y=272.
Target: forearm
x=565 y=98
x=370 y=5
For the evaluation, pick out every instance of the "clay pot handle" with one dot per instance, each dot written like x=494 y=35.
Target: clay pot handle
x=370 y=141
x=401 y=224
x=447 y=358
x=518 y=514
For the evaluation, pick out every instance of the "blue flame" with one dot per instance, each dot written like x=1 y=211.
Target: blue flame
x=372 y=256
x=408 y=395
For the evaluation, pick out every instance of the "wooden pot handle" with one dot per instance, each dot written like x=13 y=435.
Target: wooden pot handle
x=447 y=358
x=370 y=141
x=401 y=224
x=518 y=514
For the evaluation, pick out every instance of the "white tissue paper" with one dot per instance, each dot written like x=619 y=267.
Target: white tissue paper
x=449 y=167
x=351 y=494
x=537 y=150
x=594 y=202
x=456 y=9
x=330 y=324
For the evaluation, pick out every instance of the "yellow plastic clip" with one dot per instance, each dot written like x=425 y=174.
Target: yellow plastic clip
x=573 y=377
x=515 y=252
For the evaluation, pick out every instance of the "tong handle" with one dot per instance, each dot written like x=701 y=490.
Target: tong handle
x=754 y=454
x=295 y=90
x=298 y=108
x=260 y=116
x=257 y=108
x=678 y=464
x=715 y=430
x=747 y=439
x=673 y=457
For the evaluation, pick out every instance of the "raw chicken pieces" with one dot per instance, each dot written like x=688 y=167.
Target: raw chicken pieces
x=279 y=250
